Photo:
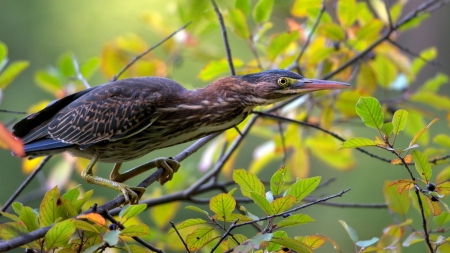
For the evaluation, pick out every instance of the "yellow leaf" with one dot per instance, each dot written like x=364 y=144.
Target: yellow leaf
x=94 y=217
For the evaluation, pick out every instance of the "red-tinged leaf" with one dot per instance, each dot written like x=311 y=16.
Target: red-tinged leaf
x=396 y=161
x=239 y=23
x=332 y=31
x=433 y=206
x=294 y=220
x=29 y=218
x=83 y=225
x=59 y=234
x=423 y=167
x=292 y=244
x=223 y=205
x=403 y=184
x=418 y=134
x=408 y=158
x=11 y=72
x=369 y=109
x=129 y=211
x=135 y=230
x=48 y=209
x=199 y=238
x=277 y=182
x=248 y=182
x=303 y=187
x=313 y=241
x=357 y=142
x=414 y=237
x=399 y=121
x=187 y=223
x=282 y=204
x=94 y=217
x=347 y=12
x=12 y=143
x=262 y=202
x=396 y=202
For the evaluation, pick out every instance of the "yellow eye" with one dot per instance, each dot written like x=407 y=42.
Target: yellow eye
x=283 y=81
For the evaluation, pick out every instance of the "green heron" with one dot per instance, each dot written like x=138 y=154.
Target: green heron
x=126 y=119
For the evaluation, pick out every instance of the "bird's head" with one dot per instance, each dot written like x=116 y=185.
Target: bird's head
x=270 y=86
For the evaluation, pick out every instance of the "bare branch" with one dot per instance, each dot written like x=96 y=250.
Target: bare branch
x=79 y=75
x=224 y=37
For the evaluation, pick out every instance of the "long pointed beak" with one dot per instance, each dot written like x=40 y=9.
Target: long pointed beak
x=308 y=85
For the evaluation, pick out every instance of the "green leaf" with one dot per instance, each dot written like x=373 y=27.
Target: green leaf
x=89 y=67
x=253 y=243
x=261 y=201
x=48 y=208
x=248 y=182
x=414 y=22
x=11 y=216
x=431 y=99
x=216 y=68
x=10 y=230
x=59 y=234
x=433 y=84
x=282 y=204
x=86 y=226
x=239 y=23
x=294 y=220
x=370 y=31
x=303 y=187
x=351 y=232
x=443 y=218
x=129 y=211
x=187 y=223
x=273 y=247
x=332 y=31
x=29 y=218
x=387 y=128
x=292 y=244
x=199 y=238
x=244 y=6
x=302 y=8
x=399 y=121
x=346 y=12
x=414 y=237
x=422 y=165
x=222 y=204
x=357 y=142
x=112 y=237
x=277 y=182
x=232 y=241
x=135 y=230
x=428 y=54
x=72 y=194
x=79 y=203
x=384 y=69
x=47 y=81
x=17 y=207
x=262 y=10
x=11 y=72
x=4 y=51
x=443 y=140
x=280 y=43
x=194 y=208
x=369 y=109
x=398 y=203
x=68 y=206
x=419 y=133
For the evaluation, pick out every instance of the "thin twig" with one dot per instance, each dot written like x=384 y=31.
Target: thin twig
x=224 y=37
x=13 y=112
x=25 y=183
x=225 y=235
x=147 y=51
x=308 y=40
x=79 y=75
x=181 y=238
x=406 y=50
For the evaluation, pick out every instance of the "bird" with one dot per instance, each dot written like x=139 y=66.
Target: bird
x=128 y=118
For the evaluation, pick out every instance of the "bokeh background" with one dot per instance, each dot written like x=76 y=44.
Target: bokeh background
x=41 y=31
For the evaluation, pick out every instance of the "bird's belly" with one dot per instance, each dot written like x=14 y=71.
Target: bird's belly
x=153 y=138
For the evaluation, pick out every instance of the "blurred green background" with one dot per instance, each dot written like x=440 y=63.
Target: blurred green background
x=40 y=31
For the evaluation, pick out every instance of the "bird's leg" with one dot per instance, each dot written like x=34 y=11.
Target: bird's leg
x=169 y=165
x=131 y=194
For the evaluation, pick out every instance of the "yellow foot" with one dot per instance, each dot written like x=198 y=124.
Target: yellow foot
x=131 y=194
x=169 y=165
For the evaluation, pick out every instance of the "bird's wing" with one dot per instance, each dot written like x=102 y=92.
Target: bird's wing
x=111 y=112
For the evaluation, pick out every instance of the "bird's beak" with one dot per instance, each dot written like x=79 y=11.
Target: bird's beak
x=308 y=85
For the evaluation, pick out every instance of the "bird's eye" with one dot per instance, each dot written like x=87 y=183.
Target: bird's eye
x=283 y=81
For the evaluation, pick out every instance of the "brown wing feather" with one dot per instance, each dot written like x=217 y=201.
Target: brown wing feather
x=111 y=112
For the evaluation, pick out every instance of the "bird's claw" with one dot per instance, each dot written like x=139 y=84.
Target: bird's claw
x=131 y=194
x=170 y=166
